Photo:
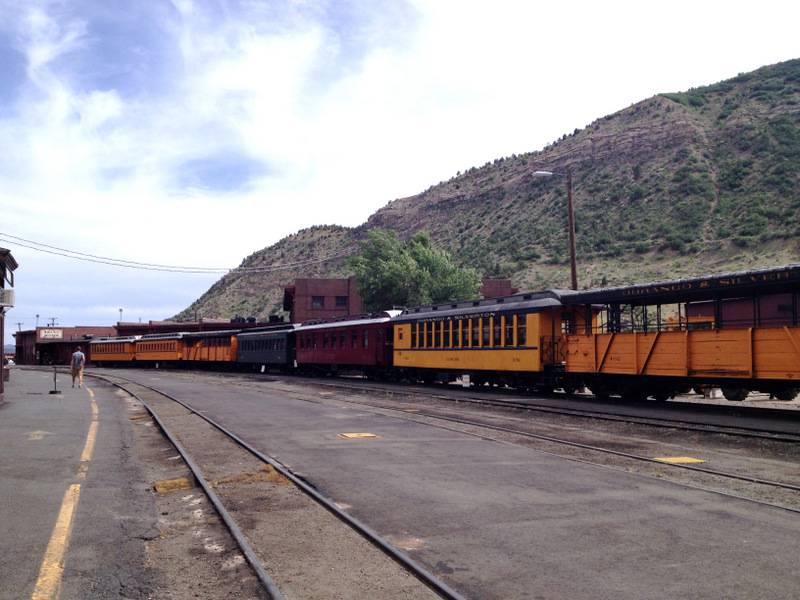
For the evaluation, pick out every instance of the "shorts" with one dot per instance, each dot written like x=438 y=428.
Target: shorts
x=76 y=371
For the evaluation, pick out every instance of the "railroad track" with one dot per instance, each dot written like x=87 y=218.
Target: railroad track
x=695 y=416
x=159 y=404
x=738 y=480
x=557 y=434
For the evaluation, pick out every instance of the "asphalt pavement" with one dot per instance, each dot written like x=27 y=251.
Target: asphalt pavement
x=497 y=520
x=494 y=521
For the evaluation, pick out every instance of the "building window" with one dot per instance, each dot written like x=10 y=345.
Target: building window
x=317 y=301
x=341 y=301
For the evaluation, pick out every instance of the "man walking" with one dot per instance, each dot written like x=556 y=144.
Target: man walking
x=78 y=360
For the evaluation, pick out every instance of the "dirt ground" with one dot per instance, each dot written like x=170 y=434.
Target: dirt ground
x=307 y=551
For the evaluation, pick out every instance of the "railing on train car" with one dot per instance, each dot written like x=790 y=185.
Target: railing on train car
x=553 y=349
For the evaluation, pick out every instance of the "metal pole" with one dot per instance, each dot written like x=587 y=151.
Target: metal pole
x=571 y=218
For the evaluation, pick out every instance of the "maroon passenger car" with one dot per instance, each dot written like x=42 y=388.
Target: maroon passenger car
x=346 y=345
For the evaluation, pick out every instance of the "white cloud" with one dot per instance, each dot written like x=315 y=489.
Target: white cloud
x=194 y=133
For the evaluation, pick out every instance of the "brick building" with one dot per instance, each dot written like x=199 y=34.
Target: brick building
x=329 y=298
x=321 y=299
x=55 y=345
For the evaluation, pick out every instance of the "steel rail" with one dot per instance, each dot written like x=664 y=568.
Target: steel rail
x=740 y=431
x=258 y=568
x=435 y=584
x=727 y=475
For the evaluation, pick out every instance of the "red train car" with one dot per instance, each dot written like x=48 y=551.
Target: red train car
x=347 y=345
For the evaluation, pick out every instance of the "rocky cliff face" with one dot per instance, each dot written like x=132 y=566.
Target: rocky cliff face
x=678 y=184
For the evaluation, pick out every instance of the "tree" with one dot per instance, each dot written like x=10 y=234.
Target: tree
x=391 y=273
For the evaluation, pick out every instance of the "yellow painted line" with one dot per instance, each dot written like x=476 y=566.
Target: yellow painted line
x=358 y=435
x=49 y=582
x=680 y=459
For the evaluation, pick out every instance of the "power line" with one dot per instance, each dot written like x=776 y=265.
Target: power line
x=168 y=268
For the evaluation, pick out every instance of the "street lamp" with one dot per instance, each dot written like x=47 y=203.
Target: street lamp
x=570 y=219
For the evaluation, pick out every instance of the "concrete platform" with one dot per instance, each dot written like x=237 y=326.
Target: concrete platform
x=75 y=513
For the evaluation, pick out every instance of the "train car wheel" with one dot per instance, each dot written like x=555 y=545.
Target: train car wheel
x=734 y=394
x=786 y=394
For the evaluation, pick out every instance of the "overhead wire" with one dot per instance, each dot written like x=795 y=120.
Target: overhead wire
x=38 y=246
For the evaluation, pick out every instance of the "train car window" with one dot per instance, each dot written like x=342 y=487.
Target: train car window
x=366 y=338
x=509 y=326
x=413 y=335
x=522 y=330
x=429 y=335
x=446 y=333
x=566 y=322
x=437 y=335
x=456 y=334
x=498 y=332
x=354 y=339
x=325 y=339
x=475 y=326
x=314 y=341
x=486 y=332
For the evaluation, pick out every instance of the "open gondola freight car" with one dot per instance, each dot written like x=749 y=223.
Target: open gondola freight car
x=738 y=331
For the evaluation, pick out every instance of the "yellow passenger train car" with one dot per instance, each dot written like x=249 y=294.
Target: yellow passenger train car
x=110 y=351
x=738 y=331
x=161 y=348
x=513 y=340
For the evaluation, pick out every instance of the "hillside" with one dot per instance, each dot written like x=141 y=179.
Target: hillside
x=678 y=184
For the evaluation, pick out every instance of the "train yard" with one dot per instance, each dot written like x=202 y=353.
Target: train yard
x=734 y=453
x=639 y=438
x=486 y=493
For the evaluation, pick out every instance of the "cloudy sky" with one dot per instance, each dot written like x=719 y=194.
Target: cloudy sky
x=193 y=133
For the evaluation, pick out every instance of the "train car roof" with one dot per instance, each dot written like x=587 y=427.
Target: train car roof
x=370 y=319
x=735 y=284
x=517 y=302
x=280 y=329
x=200 y=334
x=161 y=336
x=113 y=338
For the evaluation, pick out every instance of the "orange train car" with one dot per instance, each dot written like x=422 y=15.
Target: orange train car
x=108 y=351
x=161 y=348
x=737 y=331
x=210 y=346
